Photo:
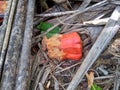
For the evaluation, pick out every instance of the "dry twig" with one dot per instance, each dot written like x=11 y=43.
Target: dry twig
x=14 y=48
x=7 y=34
x=23 y=76
x=4 y=25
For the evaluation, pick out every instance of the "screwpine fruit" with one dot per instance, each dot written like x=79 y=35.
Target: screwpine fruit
x=64 y=46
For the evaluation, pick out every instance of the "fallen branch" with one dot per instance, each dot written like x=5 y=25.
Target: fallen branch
x=14 y=48
x=106 y=35
x=41 y=86
x=115 y=2
x=56 y=85
x=7 y=34
x=117 y=75
x=4 y=25
x=23 y=76
x=84 y=4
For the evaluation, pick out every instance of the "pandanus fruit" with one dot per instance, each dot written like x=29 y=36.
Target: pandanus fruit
x=64 y=46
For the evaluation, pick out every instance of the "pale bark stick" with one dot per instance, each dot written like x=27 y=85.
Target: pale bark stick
x=106 y=35
x=14 y=48
x=84 y=4
x=4 y=25
x=7 y=34
x=56 y=85
x=23 y=76
x=41 y=86
x=96 y=22
x=116 y=83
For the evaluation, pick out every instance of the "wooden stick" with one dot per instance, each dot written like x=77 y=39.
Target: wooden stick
x=116 y=83
x=39 y=76
x=56 y=85
x=14 y=48
x=117 y=79
x=106 y=35
x=7 y=34
x=96 y=22
x=104 y=77
x=84 y=4
x=4 y=25
x=41 y=86
x=115 y=2
x=45 y=75
x=23 y=76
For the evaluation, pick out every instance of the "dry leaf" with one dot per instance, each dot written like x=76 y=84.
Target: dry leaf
x=90 y=78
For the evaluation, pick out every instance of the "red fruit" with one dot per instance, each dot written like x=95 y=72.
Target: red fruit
x=64 y=46
x=71 y=45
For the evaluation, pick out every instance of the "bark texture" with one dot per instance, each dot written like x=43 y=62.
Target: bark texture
x=23 y=76
x=14 y=48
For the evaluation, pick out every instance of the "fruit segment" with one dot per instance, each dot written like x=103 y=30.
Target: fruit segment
x=64 y=46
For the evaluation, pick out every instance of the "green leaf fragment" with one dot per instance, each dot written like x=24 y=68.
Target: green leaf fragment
x=43 y=27
x=95 y=87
